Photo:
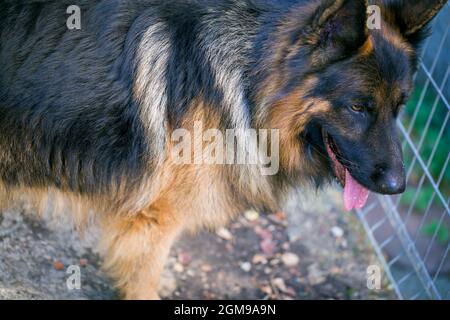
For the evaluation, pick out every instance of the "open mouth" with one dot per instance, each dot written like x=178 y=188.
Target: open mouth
x=355 y=195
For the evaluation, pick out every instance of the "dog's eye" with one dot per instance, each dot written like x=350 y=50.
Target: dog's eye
x=358 y=108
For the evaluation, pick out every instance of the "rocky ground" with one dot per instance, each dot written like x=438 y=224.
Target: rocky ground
x=309 y=251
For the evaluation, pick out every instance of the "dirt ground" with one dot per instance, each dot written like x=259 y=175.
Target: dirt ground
x=311 y=250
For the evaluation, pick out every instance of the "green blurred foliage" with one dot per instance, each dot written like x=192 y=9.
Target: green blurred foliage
x=442 y=232
x=428 y=129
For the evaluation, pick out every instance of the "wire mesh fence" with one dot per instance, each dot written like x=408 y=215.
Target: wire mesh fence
x=411 y=232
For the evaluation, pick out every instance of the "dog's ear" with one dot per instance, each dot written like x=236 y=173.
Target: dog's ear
x=337 y=29
x=411 y=17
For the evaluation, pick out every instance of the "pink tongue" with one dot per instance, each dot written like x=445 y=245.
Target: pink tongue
x=355 y=195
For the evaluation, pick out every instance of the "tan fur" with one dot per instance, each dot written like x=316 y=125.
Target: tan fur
x=137 y=235
x=140 y=224
x=136 y=247
x=290 y=115
x=367 y=48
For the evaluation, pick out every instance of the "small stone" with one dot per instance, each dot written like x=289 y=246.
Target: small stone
x=267 y=246
x=335 y=270
x=251 y=215
x=290 y=259
x=83 y=262
x=58 y=265
x=259 y=259
x=246 y=266
x=274 y=262
x=224 y=234
x=229 y=247
x=178 y=267
x=190 y=273
x=184 y=258
x=263 y=233
x=280 y=215
x=206 y=268
x=279 y=284
x=208 y=295
x=337 y=232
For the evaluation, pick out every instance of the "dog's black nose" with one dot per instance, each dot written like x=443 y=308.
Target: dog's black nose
x=390 y=180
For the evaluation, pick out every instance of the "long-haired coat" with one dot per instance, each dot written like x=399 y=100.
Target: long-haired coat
x=87 y=115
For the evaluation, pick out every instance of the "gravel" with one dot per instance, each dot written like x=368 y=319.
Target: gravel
x=309 y=251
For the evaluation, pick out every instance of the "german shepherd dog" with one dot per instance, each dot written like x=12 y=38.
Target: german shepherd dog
x=86 y=115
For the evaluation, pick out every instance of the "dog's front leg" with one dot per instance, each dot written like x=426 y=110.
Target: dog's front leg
x=135 y=250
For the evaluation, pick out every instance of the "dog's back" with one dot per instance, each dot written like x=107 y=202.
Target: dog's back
x=86 y=110
x=66 y=114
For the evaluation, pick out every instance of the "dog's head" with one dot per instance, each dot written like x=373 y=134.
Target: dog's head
x=334 y=81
